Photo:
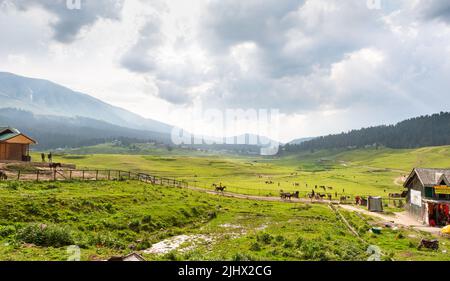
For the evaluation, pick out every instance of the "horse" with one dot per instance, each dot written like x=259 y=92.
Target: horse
x=429 y=244
x=54 y=165
x=3 y=176
x=220 y=188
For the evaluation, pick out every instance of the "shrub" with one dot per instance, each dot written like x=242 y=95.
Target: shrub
x=43 y=235
x=13 y=185
x=279 y=238
x=241 y=257
x=212 y=215
x=288 y=244
x=299 y=242
x=135 y=225
x=255 y=247
x=171 y=256
x=147 y=219
x=264 y=238
x=6 y=231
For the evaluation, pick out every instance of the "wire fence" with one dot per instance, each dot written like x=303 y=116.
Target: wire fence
x=315 y=193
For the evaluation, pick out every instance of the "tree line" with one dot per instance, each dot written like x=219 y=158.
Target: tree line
x=428 y=130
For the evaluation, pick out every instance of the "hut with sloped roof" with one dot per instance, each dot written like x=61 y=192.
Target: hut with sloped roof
x=428 y=197
x=14 y=146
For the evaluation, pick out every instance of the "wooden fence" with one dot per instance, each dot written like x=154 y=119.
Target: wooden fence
x=91 y=175
x=120 y=175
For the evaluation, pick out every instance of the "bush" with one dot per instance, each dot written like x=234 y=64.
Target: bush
x=255 y=247
x=288 y=244
x=147 y=219
x=212 y=215
x=135 y=225
x=264 y=238
x=47 y=236
x=6 y=231
x=279 y=238
x=299 y=242
x=13 y=185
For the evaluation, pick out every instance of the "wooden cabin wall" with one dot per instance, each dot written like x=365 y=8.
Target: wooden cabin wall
x=2 y=151
x=12 y=151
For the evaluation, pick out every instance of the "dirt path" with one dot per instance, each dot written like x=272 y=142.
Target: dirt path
x=260 y=198
x=402 y=219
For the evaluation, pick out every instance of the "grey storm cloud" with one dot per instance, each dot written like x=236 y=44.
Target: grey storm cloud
x=302 y=56
x=142 y=56
x=435 y=9
x=69 y=21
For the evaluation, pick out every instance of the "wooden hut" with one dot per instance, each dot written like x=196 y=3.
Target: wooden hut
x=14 y=146
x=428 y=197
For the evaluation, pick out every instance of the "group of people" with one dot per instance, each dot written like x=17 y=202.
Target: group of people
x=49 y=157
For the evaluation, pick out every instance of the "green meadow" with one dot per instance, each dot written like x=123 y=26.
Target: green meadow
x=39 y=221
x=349 y=172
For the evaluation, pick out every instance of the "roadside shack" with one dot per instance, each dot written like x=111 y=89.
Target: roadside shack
x=428 y=197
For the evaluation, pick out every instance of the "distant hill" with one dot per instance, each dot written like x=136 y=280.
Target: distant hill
x=70 y=132
x=299 y=141
x=59 y=117
x=43 y=97
x=429 y=130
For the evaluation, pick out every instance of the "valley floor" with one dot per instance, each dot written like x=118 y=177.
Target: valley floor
x=39 y=221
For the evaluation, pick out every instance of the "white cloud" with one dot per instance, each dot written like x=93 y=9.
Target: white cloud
x=325 y=64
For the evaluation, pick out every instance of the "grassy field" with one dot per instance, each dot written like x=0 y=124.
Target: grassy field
x=353 y=172
x=39 y=220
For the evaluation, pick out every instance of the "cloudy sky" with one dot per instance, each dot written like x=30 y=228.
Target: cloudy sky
x=327 y=65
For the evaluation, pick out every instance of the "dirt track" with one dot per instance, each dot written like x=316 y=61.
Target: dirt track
x=402 y=219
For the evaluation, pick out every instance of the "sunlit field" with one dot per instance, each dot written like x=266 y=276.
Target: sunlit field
x=353 y=172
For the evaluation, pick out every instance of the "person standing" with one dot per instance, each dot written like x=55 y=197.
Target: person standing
x=50 y=156
x=43 y=157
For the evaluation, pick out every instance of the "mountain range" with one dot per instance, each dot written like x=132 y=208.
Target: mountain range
x=62 y=118
x=42 y=97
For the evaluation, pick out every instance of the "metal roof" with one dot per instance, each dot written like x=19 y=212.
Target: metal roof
x=430 y=177
x=7 y=133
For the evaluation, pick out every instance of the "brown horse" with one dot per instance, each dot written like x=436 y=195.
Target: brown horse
x=3 y=176
x=54 y=165
x=220 y=188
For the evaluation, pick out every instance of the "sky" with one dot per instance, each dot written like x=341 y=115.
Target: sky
x=326 y=66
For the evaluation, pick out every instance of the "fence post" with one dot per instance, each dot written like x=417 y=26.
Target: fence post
x=70 y=175
x=37 y=175
x=96 y=175
x=18 y=175
x=83 y=174
x=109 y=174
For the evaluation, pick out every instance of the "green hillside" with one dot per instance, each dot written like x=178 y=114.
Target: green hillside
x=355 y=172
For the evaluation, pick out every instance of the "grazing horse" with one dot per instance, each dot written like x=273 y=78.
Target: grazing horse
x=54 y=165
x=3 y=176
x=429 y=244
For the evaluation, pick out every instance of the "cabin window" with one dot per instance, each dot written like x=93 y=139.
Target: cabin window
x=429 y=192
